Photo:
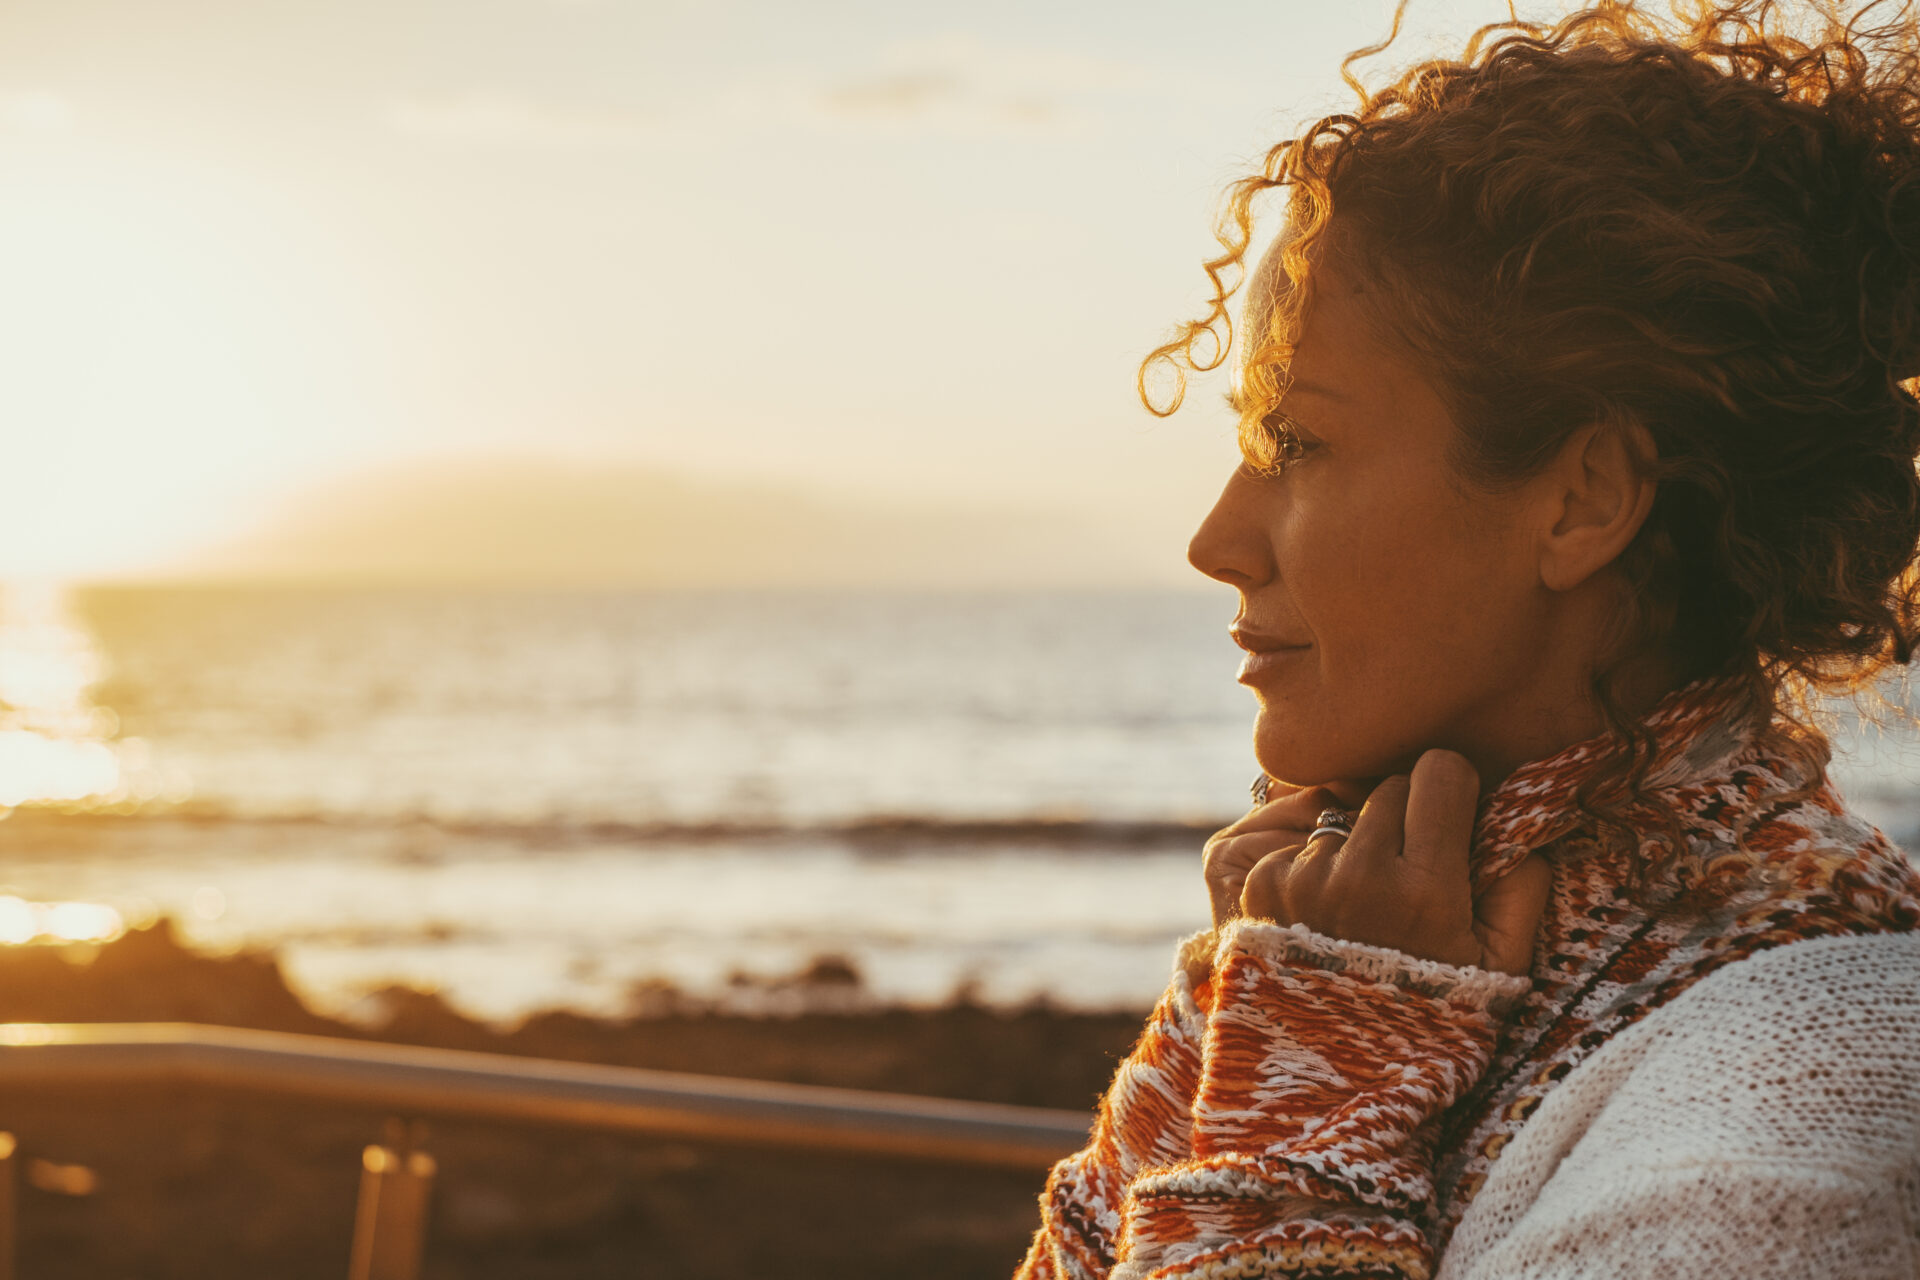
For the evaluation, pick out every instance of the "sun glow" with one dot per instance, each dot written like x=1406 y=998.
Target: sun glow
x=57 y=747
x=165 y=351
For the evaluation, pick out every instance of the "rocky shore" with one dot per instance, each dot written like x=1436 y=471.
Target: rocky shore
x=178 y=1183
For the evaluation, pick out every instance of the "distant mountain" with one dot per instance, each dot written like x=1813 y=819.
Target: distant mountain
x=538 y=523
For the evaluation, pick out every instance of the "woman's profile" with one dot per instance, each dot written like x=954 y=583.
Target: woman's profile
x=1577 y=406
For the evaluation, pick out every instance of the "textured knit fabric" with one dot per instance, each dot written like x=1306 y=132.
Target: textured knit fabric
x=1302 y=1105
x=1765 y=1124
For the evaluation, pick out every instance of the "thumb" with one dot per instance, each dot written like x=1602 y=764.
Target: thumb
x=1507 y=916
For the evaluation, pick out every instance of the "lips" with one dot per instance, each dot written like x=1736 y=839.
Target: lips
x=1267 y=653
x=1262 y=641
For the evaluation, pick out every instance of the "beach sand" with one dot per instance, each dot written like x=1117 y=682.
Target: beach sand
x=193 y=1184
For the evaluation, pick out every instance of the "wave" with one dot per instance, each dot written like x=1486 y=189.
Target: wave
x=876 y=833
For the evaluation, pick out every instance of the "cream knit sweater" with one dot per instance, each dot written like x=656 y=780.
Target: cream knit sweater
x=1764 y=1124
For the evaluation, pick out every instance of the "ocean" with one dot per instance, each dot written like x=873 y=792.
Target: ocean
x=581 y=799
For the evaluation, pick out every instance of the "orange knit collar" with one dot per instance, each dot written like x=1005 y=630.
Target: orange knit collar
x=1697 y=731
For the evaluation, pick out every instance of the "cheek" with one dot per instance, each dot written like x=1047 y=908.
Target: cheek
x=1414 y=620
x=1393 y=589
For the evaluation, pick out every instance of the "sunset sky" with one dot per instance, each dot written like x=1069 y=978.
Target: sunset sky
x=894 y=256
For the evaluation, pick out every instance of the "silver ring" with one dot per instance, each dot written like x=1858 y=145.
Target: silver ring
x=1337 y=821
x=1261 y=786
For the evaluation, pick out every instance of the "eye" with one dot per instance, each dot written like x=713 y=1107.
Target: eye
x=1289 y=448
x=1273 y=443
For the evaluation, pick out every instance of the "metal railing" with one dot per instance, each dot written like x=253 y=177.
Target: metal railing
x=410 y=1082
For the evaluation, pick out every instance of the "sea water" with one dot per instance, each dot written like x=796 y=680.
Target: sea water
x=536 y=799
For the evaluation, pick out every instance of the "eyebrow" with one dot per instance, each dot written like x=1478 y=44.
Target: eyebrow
x=1238 y=404
x=1314 y=389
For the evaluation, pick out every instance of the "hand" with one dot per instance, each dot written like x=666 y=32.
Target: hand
x=1401 y=879
x=1283 y=822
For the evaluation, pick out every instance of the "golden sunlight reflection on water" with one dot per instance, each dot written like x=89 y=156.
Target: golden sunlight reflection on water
x=57 y=922
x=58 y=747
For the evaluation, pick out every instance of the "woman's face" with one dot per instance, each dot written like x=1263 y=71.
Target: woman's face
x=1387 y=604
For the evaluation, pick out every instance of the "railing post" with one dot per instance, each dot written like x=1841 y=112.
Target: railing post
x=390 y=1224
x=9 y=1219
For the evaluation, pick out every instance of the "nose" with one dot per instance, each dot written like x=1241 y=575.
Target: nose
x=1230 y=545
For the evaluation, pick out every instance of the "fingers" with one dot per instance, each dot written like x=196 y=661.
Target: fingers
x=1507 y=915
x=1358 y=893
x=1234 y=851
x=1401 y=878
x=1282 y=823
x=1295 y=810
x=1443 y=794
x=1265 y=894
x=1225 y=865
x=1294 y=882
x=1381 y=826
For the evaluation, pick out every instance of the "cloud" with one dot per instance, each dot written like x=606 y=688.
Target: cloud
x=1023 y=69
x=895 y=95
x=483 y=119
x=34 y=113
x=960 y=83
x=956 y=84
x=935 y=100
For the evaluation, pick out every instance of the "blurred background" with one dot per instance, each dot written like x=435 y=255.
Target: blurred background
x=633 y=510
x=523 y=496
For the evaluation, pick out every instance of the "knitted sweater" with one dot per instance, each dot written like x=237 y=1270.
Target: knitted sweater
x=1713 y=1068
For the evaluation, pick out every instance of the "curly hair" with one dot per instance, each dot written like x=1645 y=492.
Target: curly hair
x=1705 y=226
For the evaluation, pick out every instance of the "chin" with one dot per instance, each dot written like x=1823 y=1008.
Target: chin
x=1295 y=764
x=1312 y=760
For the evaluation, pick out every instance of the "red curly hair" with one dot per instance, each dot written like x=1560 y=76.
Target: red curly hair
x=1703 y=226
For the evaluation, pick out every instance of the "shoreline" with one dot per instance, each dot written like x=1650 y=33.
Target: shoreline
x=176 y=1171
x=506 y=925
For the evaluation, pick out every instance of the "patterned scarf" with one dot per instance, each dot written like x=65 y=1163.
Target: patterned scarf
x=1769 y=855
x=1298 y=1104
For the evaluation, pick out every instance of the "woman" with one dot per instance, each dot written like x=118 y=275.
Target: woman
x=1579 y=440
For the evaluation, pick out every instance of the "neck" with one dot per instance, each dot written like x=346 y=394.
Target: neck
x=1559 y=706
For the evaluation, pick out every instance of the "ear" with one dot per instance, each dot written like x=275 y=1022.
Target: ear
x=1599 y=495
